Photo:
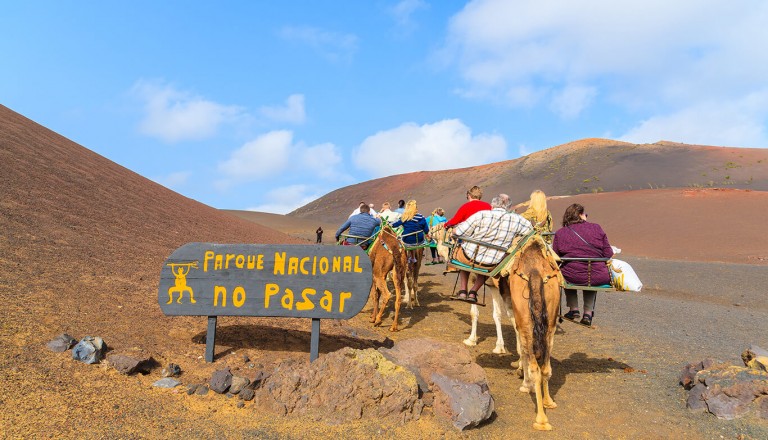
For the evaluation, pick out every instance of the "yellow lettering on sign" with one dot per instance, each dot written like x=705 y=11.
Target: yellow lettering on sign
x=219 y=291
x=270 y=290
x=306 y=303
x=293 y=266
x=323 y=265
x=260 y=262
x=238 y=296
x=251 y=261
x=347 y=263
x=336 y=264
x=358 y=269
x=230 y=257
x=208 y=256
x=279 y=263
x=343 y=296
x=302 y=263
x=240 y=261
x=218 y=263
x=287 y=300
x=326 y=302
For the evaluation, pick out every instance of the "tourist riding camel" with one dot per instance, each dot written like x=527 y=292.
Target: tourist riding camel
x=473 y=205
x=497 y=227
x=361 y=226
x=579 y=238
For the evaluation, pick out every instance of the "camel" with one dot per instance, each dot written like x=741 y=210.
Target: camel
x=412 y=278
x=387 y=255
x=531 y=288
x=442 y=238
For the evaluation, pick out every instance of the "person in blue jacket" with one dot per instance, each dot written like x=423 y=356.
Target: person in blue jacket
x=437 y=217
x=415 y=228
x=360 y=225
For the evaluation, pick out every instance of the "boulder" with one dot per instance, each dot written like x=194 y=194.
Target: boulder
x=90 y=350
x=167 y=382
x=221 y=380
x=172 y=370
x=131 y=364
x=342 y=386
x=467 y=404
x=752 y=353
x=731 y=391
x=238 y=383
x=453 y=364
x=61 y=343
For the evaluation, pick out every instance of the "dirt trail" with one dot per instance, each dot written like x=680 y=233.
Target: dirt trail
x=618 y=380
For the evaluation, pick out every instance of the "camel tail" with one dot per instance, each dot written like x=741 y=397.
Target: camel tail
x=538 y=307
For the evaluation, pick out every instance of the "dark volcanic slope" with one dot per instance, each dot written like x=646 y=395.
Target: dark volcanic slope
x=83 y=239
x=586 y=166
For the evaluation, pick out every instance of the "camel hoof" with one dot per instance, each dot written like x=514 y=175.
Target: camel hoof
x=542 y=426
x=499 y=350
x=394 y=329
x=515 y=365
x=520 y=373
x=469 y=342
x=525 y=390
x=550 y=405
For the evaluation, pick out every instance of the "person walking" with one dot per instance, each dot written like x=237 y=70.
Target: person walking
x=319 y=233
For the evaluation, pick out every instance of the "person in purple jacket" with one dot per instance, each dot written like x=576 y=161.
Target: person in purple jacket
x=579 y=238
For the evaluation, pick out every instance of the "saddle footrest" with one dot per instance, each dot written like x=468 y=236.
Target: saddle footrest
x=461 y=265
x=600 y=288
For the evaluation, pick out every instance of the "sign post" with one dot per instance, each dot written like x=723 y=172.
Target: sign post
x=296 y=281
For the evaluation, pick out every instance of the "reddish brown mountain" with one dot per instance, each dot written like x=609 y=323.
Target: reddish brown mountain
x=83 y=239
x=586 y=166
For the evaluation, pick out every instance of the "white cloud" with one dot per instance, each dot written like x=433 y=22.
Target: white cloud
x=403 y=12
x=735 y=124
x=323 y=159
x=172 y=115
x=570 y=101
x=286 y=199
x=439 y=146
x=648 y=55
x=333 y=46
x=265 y=156
x=273 y=153
x=292 y=112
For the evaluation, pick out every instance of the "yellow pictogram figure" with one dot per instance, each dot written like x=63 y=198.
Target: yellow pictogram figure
x=180 y=270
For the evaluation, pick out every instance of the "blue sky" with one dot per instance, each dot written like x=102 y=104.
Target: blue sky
x=268 y=105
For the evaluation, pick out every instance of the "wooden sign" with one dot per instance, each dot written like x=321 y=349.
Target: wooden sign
x=297 y=281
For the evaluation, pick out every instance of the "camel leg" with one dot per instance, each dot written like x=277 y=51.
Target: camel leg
x=497 y=305
x=474 y=312
x=547 y=369
x=542 y=422
x=408 y=288
x=546 y=373
x=398 y=300
x=386 y=294
x=419 y=260
x=374 y=295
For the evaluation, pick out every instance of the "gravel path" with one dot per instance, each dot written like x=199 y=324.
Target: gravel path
x=620 y=379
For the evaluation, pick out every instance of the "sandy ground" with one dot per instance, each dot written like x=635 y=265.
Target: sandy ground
x=83 y=242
